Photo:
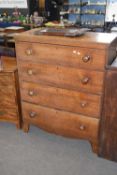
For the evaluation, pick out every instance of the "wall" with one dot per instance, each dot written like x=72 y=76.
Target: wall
x=111 y=10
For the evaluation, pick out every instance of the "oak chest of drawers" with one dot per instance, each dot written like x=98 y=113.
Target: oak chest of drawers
x=62 y=82
x=9 y=91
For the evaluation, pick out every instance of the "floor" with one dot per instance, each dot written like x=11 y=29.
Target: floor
x=40 y=153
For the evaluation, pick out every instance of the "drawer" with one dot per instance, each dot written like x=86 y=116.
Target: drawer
x=8 y=113
x=61 y=55
x=61 y=122
x=62 y=99
x=69 y=78
x=6 y=79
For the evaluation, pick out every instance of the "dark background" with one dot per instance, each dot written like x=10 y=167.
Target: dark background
x=53 y=7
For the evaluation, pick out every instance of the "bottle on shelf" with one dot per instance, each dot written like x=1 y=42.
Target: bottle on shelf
x=61 y=21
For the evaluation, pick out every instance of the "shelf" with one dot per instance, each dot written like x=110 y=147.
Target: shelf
x=91 y=4
x=67 y=13
x=93 y=26
x=64 y=13
x=92 y=13
x=71 y=4
x=90 y=10
x=83 y=4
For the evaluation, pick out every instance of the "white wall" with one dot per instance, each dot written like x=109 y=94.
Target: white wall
x=111 y=9
x=13 y=3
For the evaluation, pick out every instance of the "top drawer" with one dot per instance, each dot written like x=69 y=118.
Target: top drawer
x=61 y=55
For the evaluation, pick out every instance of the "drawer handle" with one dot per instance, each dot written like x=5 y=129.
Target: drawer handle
x=32 y=114
x=31 y=93
x=85 y=80
x=82 y=127
x=85 y=59
x=29 y=52
x=83 y=104
x=30 y=72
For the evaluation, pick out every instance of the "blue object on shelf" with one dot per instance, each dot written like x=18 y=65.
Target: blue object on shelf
x=7 y=24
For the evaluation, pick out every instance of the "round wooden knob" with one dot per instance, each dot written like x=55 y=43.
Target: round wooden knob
x=82 y=127
x=29 y=52
x=85 y=59
x=30 y=72
x=83 y=104
x=31 y=93
x=32 y=114
x=85 y=80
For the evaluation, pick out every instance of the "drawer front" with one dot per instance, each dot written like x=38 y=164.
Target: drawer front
x=7 y=113
x=6 y=79
x=60 y=122
x=62 y=77
x=62 y=99
x=62 y=55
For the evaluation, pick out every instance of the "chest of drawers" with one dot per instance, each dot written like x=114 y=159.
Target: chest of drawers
x=9 y=92
x=62 y=82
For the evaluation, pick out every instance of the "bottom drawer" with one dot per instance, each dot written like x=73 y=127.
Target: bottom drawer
x=60 y=122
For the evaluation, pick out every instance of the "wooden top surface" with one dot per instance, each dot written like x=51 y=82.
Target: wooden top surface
x=89 y=39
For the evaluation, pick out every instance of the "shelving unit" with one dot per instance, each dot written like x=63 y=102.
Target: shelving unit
x=93 y=14
x=71 y=10
x=90 y=14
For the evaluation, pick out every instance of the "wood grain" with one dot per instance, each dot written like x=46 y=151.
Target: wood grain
x=62 y=82
x=61 y=55
x=108 y=131
x=91 y=40
x=9 y=105
x=62 y=99
x=61 y=122
x=62 y=77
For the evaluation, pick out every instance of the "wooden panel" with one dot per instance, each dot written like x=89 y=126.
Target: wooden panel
x=62 y=55
x=108 y=131
x=5 y=79
x=89 y=40
x=8 y=64
x=62 y=99
x=8 y=113
x=61 y=122
x=7 y=96
x=9 y=92
x=63 y=77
